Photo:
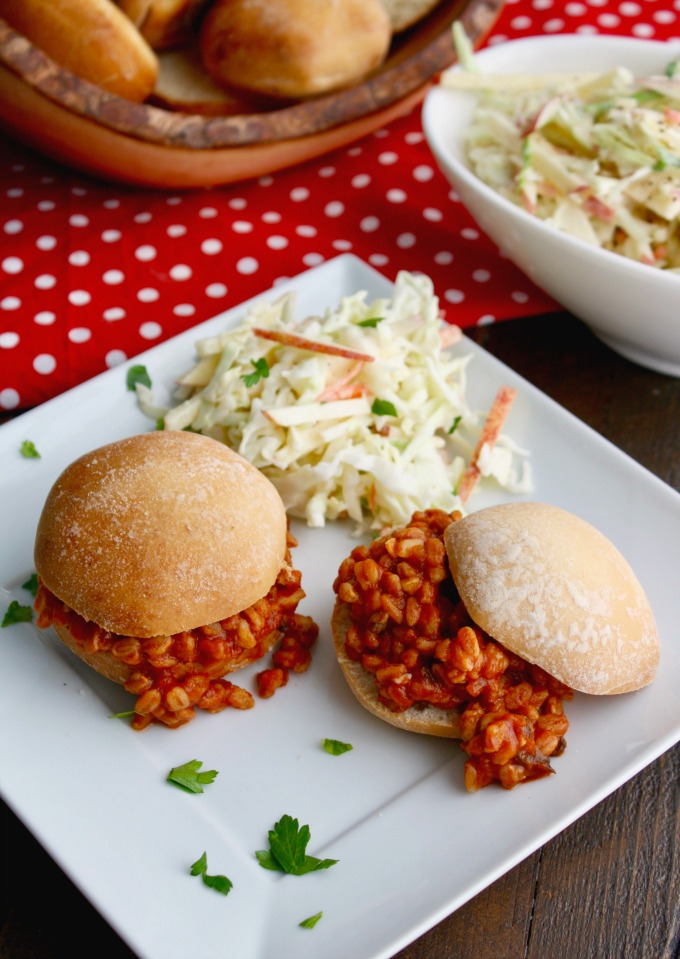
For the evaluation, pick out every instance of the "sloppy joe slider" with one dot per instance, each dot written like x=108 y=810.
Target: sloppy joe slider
x=164 y=563
x=480 y=628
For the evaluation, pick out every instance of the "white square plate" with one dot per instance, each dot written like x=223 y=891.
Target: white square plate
x=392 y=810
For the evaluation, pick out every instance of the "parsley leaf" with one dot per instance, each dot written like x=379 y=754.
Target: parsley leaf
x=188 y=777
x=29 y=451
x=128 y=714
x=16 y=613
x=288 y=843
x=311 y=921
x=137 y=374
x=455 y=424
x=31 y=584
x=218 y=883
x=371 y=322
x=383 y=408
x=335 y=747
x=261 y=372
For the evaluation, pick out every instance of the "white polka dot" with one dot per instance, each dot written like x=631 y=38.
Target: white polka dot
x=216 y=290
x=628 y=9
x=45 y=318
x=46 y=242
x=12 y=264
x=355 y=152
x=44 y=363
x=46 y=206
x=413 y=137
x=184 y=309
x=486 y=319
x=79 y=297
x=553 y=26
x=47 y=179
x=181 y=272
x=79 y=334
x=111 y=236
x=13 y=227
x=608 y=20
x=8 y=340
x=78 y=191
x=396 y=196
x=9 y=398
x=45 y=281
x=586 y=28
x=271 y=216
x=211 y=247
x=469 y=233
x=342 y=245
x=327 y=171
x=643 y=30
x=147 y=294
x=423 y=173
x=299 y=194
x=519 y=296
x=454 y=296
x=334 y=208
x=378 y=259
x=380 y=134
x=542 y=4
x=174 y=200
x=277 y=242
x=443 y=258
x=10 y=303
x=406 y=240
x=306 y=231
x=238 y=203
x=78 y=220
x=150 y=330
x=247 y=265
x=143 y=217
x=112 y=204
x=115 y=358
x=207 y=213
x=360 y=181
x=266 y=180
x=433 y=215
x=575 y=9
x=369 y=224
x=176 y=229
x=79 y=258
x=242 y=226
x=146 y=253
x=113 y=277
x=520 y=23
x=481 y=276
x=113 y=313
x=663 y=16
x=388 y=158
x=312 y=259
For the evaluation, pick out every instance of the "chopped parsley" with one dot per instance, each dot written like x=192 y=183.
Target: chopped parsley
x=29 y=451
x=335 y=747
x=260 y=372
x=137 y=374
x=16 y=613
x=31 y=584
x=454 y=425
x=287 y=851
x=188 y=777
x=218 y=883
x=383 y=408
x=310 y=922
x=371 y=322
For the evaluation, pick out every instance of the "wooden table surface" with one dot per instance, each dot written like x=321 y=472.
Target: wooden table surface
x=608 y=887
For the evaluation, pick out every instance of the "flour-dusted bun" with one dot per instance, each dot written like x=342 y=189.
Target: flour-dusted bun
x=91 y=38
x=554 y=590
x=429 y=720
x=160 y=533
x=165 y=24
x=405 y=13
x=293 y=48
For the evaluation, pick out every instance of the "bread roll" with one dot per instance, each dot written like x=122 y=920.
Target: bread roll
x=294 y=48
x=91 y=38
x=165 y=24
x=405 y=13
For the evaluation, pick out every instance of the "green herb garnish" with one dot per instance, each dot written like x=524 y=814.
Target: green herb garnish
x=188 y=777
x=218 y=883
x=455 y=424
x=128 y=714
x=260 y=372
x=383 y=408
x=288 y=843
x=29 y=451
x=16 y=613
x=371 y=322
x=335 y=747
x=137 y=374
x=311 y=921
x=31 y=584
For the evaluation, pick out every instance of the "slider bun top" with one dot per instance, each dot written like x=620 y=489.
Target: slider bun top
x=159 y=533
x=554 y=590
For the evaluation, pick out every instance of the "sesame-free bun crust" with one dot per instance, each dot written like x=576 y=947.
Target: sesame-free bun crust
x=159 y=533
x=430 y=720
x=554 y=590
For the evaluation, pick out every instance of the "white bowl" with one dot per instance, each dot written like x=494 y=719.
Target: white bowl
x=633 y=308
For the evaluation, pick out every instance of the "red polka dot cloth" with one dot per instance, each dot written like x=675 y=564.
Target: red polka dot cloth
x=93 y=273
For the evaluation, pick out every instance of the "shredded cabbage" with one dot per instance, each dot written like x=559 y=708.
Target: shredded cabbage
x=594 y=155
x=373 y=438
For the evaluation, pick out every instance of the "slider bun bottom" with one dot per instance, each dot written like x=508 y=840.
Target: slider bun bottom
x=428 y=720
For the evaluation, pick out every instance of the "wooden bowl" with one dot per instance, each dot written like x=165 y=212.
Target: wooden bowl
x=99 y=133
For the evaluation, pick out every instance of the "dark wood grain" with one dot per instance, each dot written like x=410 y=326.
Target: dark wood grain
x=608 y=887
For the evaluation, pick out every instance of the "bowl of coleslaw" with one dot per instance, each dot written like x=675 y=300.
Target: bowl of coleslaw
x=566 y=151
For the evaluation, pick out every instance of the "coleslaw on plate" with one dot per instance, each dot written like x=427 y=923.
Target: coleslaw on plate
x=595 y=155
x=360 y=412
